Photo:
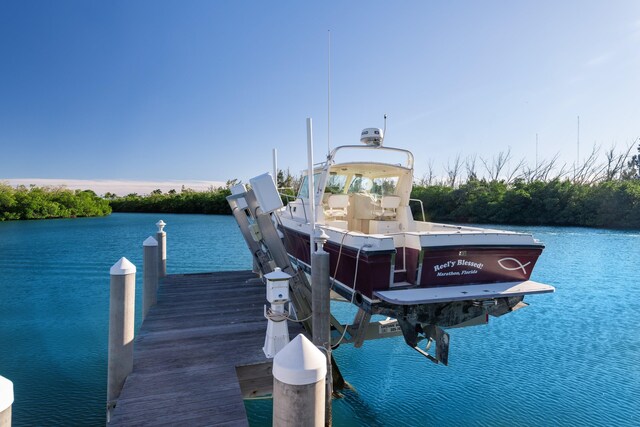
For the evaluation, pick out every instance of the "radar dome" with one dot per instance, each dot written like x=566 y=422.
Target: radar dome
x=372 y=136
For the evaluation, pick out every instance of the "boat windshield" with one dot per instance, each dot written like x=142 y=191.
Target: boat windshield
x=304 y=187
x=377 y=186
x=374 y=179
x=336 y=183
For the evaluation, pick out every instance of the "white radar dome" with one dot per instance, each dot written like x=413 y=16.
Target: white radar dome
x=372 y=136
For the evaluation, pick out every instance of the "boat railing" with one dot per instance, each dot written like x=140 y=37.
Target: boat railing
x=290 y=198
x=424 y=218
x=409 y=154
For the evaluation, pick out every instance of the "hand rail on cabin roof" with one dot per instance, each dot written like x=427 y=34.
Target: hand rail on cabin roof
x=409 y=154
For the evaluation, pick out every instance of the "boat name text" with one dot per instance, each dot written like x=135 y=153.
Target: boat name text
x=458 y=263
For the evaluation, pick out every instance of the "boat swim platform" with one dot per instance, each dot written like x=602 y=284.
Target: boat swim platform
x=463 y=292
x=198 y=353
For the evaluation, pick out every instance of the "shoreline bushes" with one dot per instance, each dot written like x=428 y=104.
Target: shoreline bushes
x=608 y=204
x=49 y=202
x=188 y=201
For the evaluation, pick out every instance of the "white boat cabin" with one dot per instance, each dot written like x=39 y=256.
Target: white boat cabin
x=368 y=198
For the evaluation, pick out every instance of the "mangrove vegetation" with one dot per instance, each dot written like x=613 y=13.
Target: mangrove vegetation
x=49 y=202
x=473 y=190
x=212 y=201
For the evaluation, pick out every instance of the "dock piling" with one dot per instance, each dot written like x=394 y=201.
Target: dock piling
x=321 y=308
x=299 y=372
x=161 y=238
x=121 y=328
x=151 y=270
x=6 y=401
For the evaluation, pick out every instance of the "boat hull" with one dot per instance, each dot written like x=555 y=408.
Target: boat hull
x=366 y=271
x=434 y=267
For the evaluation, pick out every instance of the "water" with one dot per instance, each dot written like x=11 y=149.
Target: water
x=54 y=302
x=571 y=358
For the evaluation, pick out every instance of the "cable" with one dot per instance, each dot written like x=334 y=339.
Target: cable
x=353 y=293
x=279 y=317
x=335 y=272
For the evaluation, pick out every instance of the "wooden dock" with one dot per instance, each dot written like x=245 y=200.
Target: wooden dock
x=198 y=353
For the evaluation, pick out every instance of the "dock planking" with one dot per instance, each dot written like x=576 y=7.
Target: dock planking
x=198 y=353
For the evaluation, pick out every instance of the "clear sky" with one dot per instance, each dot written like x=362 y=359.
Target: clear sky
x=203 y=90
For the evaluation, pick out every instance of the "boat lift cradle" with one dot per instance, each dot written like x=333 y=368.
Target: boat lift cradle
x=269 y=252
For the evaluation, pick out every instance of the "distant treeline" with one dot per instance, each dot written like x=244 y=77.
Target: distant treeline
x=213 y=201
x=49 y=202
x=614 y=204
x=597 y=195
x=610 y=204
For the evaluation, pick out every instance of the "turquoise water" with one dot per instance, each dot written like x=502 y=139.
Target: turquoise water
x=571 y=358
x=54 y=302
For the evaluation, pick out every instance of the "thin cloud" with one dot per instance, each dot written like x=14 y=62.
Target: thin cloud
x=600 y=59
x=635 y=31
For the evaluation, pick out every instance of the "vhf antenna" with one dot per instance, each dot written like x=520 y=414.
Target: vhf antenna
x=329 y=99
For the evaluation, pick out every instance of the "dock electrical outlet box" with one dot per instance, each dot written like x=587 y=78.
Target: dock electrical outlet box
x=266 y=193
x=277 y=286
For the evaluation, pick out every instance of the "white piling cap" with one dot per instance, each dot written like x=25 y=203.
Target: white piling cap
x=300 y=363
x=160 y=224
x=150 y=242
x=122 y=268
x=277 y=275
x=6 y=393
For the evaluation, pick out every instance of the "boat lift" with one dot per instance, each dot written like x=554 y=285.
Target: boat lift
x=417 y=314
x=268 y=251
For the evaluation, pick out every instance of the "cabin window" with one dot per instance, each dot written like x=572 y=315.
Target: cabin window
x=336 y=184
x=360 y=184
x=304 y=187
x=384 y=186
x=375 y=186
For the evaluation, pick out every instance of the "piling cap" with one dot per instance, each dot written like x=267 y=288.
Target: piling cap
x=160 y=224
x=276 y=275
x=150 y=242
x=300 y=363
x=320 y=236
x=122 y=268
x=6 y=393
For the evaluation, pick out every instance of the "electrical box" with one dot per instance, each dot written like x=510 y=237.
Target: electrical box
x=277 y=286
x=254 y=229
x=266 y=192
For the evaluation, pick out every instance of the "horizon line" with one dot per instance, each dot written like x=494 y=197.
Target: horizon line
x=120 y=187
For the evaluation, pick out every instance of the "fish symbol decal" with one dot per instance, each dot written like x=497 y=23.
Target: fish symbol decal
x=518 y=267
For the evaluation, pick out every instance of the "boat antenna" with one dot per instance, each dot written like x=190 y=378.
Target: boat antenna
x=384 y=131
x=536 y=153
x=329 y=98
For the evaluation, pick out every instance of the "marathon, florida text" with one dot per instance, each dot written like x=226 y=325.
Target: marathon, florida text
x=458 y=263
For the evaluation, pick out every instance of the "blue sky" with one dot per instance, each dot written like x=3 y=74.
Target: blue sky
x=203 y=90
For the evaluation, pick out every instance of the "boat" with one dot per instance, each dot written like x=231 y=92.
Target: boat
x=426 y=275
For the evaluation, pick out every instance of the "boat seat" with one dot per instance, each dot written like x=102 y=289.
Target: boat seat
x=386 y=209
x=337 y=204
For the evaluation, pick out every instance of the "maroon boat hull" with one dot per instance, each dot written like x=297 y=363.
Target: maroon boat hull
x=433 y=267
x=429 y=267
x=373 y=268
